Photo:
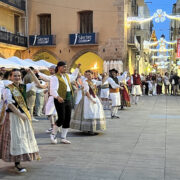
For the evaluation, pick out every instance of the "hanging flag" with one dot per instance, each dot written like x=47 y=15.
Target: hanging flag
x=178 y=48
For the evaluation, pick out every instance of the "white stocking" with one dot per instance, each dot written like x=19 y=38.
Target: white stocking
x=55 y=129
x=64 y=133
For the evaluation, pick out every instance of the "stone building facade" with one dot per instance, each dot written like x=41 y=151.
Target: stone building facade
x=13 y=34
x=86 y=32
x=108 y=27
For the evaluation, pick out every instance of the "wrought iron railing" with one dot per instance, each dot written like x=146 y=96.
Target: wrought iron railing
x=14 y=39
x=20 y=4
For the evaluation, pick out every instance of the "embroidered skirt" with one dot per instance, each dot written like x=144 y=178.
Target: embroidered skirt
x=89 y=116
x=9 y=150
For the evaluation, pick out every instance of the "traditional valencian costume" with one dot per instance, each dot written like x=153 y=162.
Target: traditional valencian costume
x=114 y=93
x=124 y=93
x=89 y=116
x=50 y=110
x=125 y=98
x=60 y=87
x=136 y=88
x=17 y=140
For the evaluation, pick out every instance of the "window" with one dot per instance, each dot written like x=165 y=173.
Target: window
x=45 y=24
x=86 y=22
x=134 y=7
x=139 y=40
x=16 y=24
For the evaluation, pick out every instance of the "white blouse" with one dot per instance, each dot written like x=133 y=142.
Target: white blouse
x=86 y=86
x=8 y=95
x=54 y=83
x=113 y=83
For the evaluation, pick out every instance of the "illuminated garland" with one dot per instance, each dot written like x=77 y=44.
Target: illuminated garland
x=160 y=57
x=161 y=50
x=159 y=16
x=162 y=43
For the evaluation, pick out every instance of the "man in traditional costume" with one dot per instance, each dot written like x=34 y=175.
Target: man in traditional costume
x=61 y=90
x=104 y=95
x=114 y=92
x=136 y=87
x=89 y=114
x=17 y=140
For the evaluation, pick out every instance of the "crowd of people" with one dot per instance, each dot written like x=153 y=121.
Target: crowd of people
x=156 y=84
x=27 y=93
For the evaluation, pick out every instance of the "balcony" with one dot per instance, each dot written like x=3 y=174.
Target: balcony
x=42 y=40
x=20 y=4
x=83 y=39
x=14 y=39
x=133 y=42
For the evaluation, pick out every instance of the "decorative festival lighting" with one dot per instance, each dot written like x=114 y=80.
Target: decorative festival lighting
x=162 y=63
x=139 y=20
x=159 y=16
x=162 y=43
x=161 y=50
x=160 y=57
x=176 y=17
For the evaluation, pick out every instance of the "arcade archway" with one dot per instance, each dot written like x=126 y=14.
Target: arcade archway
x=44 y=55
x=89 y=61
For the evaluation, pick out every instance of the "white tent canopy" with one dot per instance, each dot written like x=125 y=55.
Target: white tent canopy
x=34 y=64
x=44 y=63
x=8 y=64
x=15 y=62
x=19 y=62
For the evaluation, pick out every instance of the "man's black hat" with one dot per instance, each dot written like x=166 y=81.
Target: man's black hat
x=113 y=70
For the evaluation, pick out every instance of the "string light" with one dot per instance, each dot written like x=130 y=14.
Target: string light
x=159 y=16
x=162 y=43
x=161 y=50
x=160 y=57
x=139 y=20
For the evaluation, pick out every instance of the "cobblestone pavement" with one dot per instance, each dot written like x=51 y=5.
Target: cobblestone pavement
x=142 y=145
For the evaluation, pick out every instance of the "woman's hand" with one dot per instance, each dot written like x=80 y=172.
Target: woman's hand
x=24 y=117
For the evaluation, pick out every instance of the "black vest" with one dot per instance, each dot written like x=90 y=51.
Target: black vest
x=115 y=80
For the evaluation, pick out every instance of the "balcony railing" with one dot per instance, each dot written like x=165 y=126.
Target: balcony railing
x=42 y=40
x=83 y=39
x=14 y=39
x=132 y=41
x=20 y=4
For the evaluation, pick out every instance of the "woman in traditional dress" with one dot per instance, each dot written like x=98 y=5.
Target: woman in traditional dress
x=17 y=140
x=125 y=98
x=78 y=88
x=89 y=114
x=124 y=94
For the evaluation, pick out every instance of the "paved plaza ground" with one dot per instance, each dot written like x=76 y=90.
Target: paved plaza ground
x=144 y=144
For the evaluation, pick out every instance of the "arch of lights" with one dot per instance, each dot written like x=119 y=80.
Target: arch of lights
x=159 y=16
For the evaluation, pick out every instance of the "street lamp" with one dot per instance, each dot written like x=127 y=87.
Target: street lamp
x=138 y=57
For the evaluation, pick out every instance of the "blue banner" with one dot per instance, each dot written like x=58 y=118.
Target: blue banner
x=75 y=39
x=43 y=40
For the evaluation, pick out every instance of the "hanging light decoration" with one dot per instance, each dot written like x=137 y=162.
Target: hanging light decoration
x=159 y=16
